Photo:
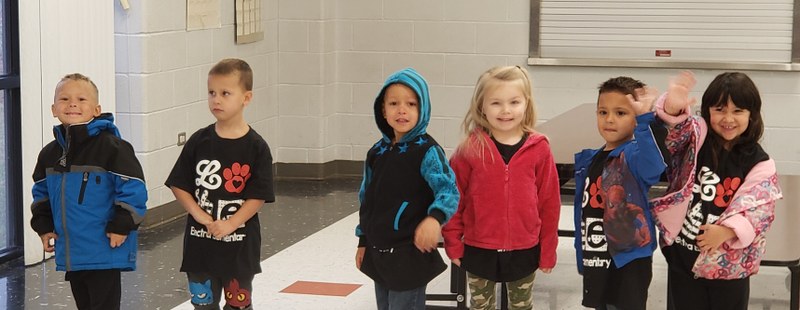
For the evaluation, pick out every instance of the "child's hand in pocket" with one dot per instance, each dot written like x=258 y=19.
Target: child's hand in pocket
x=116 y=240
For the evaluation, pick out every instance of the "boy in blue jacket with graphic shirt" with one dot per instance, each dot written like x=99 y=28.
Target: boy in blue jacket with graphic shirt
x=614 y=229
x=408 y=192
x=88 y=196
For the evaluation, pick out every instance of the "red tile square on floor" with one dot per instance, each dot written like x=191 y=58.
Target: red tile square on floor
x=321 y=288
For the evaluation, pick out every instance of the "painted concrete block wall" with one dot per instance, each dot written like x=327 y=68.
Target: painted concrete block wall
x=301 y=86
x=322 y=63
x=161 y=74
x=449 y=42
x=452 y=41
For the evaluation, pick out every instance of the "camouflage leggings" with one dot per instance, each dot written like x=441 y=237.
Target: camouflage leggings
x=482 y=293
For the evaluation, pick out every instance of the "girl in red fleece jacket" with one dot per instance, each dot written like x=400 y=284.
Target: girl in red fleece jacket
x=506 y=225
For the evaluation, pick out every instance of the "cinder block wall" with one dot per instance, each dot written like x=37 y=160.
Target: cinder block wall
x=161 y=72
x=322 y=63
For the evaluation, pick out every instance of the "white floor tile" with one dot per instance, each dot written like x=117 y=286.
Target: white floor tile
x=328 y=256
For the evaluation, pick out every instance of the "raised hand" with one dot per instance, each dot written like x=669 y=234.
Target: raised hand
x=678 y=98
x=647 y=96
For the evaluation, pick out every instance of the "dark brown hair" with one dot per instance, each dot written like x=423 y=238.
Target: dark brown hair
x=741 y=90
x=622 y=84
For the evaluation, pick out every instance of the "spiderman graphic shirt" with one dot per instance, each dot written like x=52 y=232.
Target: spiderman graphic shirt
x=611 y=224
x=221 y=174
x=714 y=186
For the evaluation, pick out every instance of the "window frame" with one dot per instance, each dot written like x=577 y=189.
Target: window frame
x=10 y=82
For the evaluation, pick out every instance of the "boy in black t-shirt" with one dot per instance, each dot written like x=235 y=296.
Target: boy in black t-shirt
x=222 y=178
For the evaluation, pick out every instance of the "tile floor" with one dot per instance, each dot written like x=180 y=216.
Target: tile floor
x=308 y=236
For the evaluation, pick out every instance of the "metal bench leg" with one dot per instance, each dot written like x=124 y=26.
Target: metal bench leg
x=458 y=289
x=503 y=296
x=794 y=300
x=461 y=298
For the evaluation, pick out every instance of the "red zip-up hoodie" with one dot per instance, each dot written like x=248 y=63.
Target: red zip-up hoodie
x=506 y=207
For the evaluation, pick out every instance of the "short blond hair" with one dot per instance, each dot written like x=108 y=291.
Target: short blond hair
x=80 y=77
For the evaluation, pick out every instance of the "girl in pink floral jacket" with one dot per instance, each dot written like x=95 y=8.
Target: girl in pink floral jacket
x=721 y=196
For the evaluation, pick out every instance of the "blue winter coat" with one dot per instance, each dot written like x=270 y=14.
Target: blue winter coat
x=635 y=165
x=88 y=183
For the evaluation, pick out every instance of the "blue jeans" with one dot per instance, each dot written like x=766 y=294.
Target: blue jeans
x=413 y=299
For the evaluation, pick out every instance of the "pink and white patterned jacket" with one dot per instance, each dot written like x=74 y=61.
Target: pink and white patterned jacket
x=749 y=214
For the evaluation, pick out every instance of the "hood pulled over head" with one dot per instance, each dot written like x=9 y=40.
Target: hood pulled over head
x=413 y=80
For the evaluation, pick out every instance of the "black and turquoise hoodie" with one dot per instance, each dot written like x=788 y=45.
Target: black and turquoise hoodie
x=404 y=182
x=88 y=182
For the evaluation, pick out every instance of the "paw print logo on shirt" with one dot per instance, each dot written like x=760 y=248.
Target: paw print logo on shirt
x=236 y=177
x=597 y=196
x=725 y=191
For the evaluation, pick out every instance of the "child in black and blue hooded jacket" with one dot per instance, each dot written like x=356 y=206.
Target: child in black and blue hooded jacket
x=88 y=196
x=408 y=192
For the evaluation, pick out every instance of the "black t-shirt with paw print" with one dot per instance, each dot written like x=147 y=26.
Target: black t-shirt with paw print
x=715 y=184
x=221 y=174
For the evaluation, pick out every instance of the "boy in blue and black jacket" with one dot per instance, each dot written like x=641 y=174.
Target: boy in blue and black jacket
x=408 y=192
x=88 y=196
x=614 y=226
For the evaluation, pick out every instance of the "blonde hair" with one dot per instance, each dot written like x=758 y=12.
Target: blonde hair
x=475 y=122
x=79 y=77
